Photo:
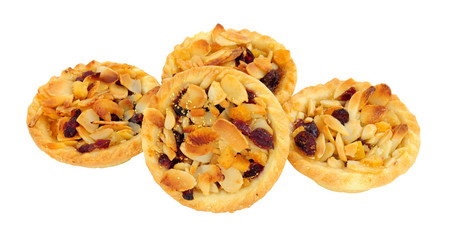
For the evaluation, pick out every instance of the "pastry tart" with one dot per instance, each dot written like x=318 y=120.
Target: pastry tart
x=351 y=136
x=217 y=140
x=250 y=52
x=92 y=114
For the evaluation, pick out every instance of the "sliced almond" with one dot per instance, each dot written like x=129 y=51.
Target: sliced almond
x=117 y=123
x=130 y=84
x=263 y=64
x=344 y=86
x=255 y=71
x=199 y=142
x=224 y=42
x=234 y=89
x=218 y=29
x=233 y=180
x=368 y=131
x=218 y=57
x=117 y=91
x=147 y=100
x=335 y=163
x=126 y=104
x=357 y=166
x=320 y=146
x=170 y=139
x=372 y=161
x=105 y=107
x=103 y=133
x=329 y=151
x=235 y=36
x=365 y=96
x=334 y=124
x=200 y=47
x=381 y=96
x=255 y=109
x=84 y=135
x=195 y=97
x=126 y=133
x=216 y=93
x=311 y=107
x=399 y=133
x=372 y=114
x=199 y=158
x=354 y=130
x=231 y=134
x=340 y=148
x=261 y=123
x=169 y=122
x=178 y=180
x=108 y=75
x=155 y=117
x=35 y=118
x=87 y=118
x=353 y=105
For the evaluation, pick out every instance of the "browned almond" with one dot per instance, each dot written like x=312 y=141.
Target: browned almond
x=218 y=57
x=372 y=114
x=231 y=134
x=381 y=96
x=234 y=89
x=344 y=86
x=234 y=36
x=366 y=95
x=218 y=29
x=334 y=124
x=108 y=75
x=195 y=97
x=155 y=116
x=178 y=180
x=105 y=107
x=199 y=142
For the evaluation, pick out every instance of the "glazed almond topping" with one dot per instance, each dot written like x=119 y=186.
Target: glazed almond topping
x=352 y=130
x=212 y=138
x=93 y=106
x=231 y=48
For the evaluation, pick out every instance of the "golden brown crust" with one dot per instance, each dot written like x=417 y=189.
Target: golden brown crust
x=41 y=129
x=273 y=50
x=344 y=179
x=221 y=201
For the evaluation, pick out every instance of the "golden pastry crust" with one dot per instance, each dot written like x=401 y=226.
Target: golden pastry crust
x=220 y=197
x=115 y=140
x=374 y=155
x=222 y=47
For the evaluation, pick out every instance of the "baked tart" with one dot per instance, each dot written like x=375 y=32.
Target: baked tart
x=351 y=136
x=258 y=55
x=217 y=140
x=92 y=114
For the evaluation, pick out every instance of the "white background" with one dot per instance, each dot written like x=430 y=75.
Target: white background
x=405 y=44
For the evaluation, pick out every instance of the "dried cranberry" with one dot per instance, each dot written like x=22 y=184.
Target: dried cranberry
x=249 y=57
x=251 y=97
x=84 y=75
x=310 y=127
x=271 y=79
x=238 y=60
x=179 y=110
x=253 y=170
x=306 y=142
x=188 y=194
x=262 y=138
x=341 y=114
x=220 y=108
x=179 y=137
x=102 y=143
x=137 y=118
x=86 y=148
x=244 y=127
x=70 y=126
x=347 y=94
x=114 y=117
x=164 y=161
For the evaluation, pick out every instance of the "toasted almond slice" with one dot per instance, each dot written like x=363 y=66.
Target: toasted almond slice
x=340 y=147
x=343 y=87
x=216 y=93
x=311 y=107
x=127 y=115
x=224 y=42
x=105 y=107
x=122 y=123
x=385 y=137
x=320 y=146
x=170 y=139
x=199 y=158
x=35 y=118
x=365 y=96
x=391 y=118
x=218 y=57
x=231 y=134
x=199 y=142
x=233 y=180
x=235 y=52
x=372 y=114
x=327 y=133
x=329 y=151
x=79 y=90
x=218 y=29
x=399 y=133
x=126 y=133
x=335 y=163
x=372 y=161
x=234 y=36
x=197 y=61
x=130 y=84
x=334 y=124
x=234 y=89
x=84 y=135
x=93 y=89
x=155 y=116
x=281 y=57
x=195 y=97
x=117 y=91
x=214 y=171
x=200 y=47
x=147 y=100
x=87 y=118
x=255 y=71
x=354 y=130
x=381 y=96
x=177 y=180
x=203 y=183
x=255 y=108
x=330 y=103
x=358 y=167
x=263 y=64
x=368 y=131
x=169 y=123
x=108 y=75
x=126 y=104
x=261 y=123
x=103 y=133
x=353 y=105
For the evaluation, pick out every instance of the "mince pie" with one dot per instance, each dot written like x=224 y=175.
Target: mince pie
x=351 y=136
x=258 y=55
x=217 y=140
x=92 y=114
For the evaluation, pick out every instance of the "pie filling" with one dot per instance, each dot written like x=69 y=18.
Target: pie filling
x=95 y=107
x=214 y=139
x=231 y=48
x=352 y=130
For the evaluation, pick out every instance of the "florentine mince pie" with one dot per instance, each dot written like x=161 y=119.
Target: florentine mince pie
x=351 y=136
x=217 y=140
x=91 y=115
x=257 y=55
